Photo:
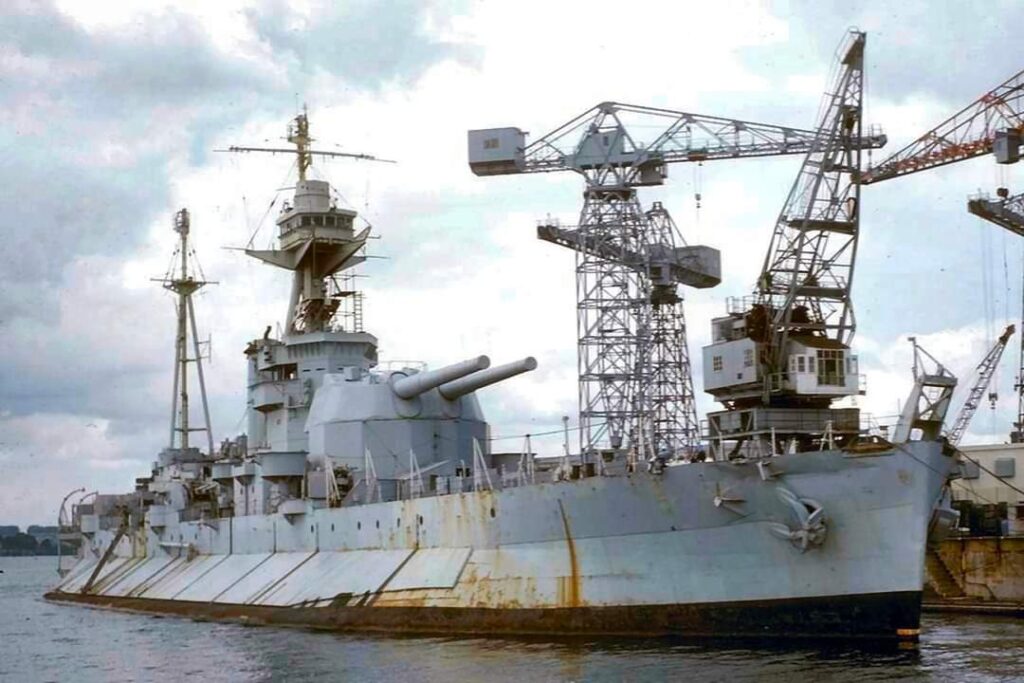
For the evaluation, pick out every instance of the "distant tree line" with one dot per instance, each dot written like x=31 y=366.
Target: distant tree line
x=43 y=542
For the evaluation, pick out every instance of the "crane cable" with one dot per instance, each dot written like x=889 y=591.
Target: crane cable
x=697 y=196
x=959 y=452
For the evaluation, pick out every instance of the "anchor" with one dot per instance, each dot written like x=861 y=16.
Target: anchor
x=810 y=516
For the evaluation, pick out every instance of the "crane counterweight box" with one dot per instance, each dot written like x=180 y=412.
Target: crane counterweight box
x=496 y=151
x=1006 y=146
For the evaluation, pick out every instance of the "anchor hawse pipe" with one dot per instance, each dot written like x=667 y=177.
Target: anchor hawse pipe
x=464 y=385
x=414 y=385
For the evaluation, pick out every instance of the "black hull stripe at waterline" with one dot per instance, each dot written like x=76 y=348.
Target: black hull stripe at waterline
x=878 y=616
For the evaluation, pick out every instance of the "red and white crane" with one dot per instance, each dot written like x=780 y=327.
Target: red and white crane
x=993 y=123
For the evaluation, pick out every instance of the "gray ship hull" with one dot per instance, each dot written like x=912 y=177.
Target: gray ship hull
x=703 y=549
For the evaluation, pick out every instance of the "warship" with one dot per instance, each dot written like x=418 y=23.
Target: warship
x=368 y=496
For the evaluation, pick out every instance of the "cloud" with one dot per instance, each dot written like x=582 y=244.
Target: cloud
x=100 y=121
x=107 y=118
x=914 y=47
x=47 y=454
x=369 y=45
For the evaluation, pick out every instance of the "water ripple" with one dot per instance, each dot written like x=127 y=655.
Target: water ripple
x=40 y=641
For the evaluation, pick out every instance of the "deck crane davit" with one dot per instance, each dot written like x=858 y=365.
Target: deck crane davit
x=925 y=410
x=635 y=384
x=780 y=358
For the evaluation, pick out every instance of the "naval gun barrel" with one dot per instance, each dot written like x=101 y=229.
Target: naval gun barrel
x=414 y=385
x=464 y=385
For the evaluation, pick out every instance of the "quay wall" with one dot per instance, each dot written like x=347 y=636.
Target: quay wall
x=987 y=568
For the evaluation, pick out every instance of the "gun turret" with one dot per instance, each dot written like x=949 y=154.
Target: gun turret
x=414 y=385
x=464 y=385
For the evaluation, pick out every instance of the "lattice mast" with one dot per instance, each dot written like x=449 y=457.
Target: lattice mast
x=615 y=311
x=675 y=427
x=613 y=320
x=986 y=369
x=183 y=282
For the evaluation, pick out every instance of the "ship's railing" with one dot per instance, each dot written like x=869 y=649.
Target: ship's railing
x=870 y=426
x=735 y=305
x=429 y=485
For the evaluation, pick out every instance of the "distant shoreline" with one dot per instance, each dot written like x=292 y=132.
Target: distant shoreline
x=50 y=552
x=35 y=542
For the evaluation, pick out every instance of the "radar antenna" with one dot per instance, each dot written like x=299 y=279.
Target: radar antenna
x=298 y=135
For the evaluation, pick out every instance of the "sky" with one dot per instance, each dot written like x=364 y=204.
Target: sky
x=110 y=115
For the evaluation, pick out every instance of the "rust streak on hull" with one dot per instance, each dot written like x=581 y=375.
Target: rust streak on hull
x=572 y=591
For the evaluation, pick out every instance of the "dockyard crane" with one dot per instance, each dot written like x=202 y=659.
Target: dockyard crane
x=1007 y=212
x=986 y=368
x=629 y=262
x=993 y=123
x=780 y=358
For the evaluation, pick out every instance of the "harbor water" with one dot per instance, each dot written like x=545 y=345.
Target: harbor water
x=40 y=641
